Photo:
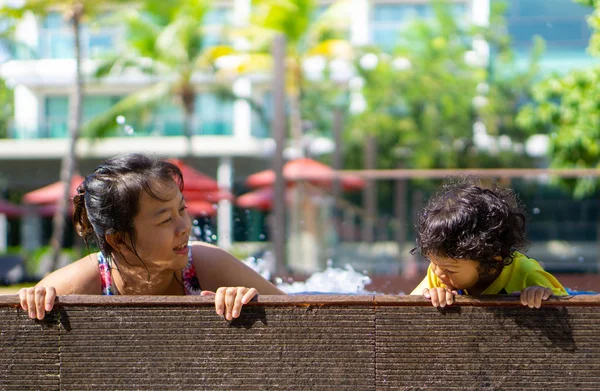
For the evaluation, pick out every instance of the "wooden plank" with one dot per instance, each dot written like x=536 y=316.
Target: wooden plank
x=28 y=351
x=320 y=342
x=487 y=348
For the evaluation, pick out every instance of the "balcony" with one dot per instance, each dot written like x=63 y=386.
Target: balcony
x=159 y=126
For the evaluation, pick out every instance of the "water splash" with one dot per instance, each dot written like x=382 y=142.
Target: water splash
x=330 y=280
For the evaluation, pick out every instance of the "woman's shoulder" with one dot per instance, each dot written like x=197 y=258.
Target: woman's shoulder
x=206 y=252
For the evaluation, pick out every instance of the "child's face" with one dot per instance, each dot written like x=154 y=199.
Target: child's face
x=455 y=273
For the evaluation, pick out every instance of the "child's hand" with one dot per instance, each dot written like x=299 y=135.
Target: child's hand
x=229 y=300
x=440 y=297
x=37 y=300
x=532 y=296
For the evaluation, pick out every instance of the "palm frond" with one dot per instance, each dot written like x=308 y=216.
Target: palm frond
x=209 y=56
x=333 y=48
x=289 y=17
x=172 y=44
x=135 y=103
x=142 y=33
x=225 y=92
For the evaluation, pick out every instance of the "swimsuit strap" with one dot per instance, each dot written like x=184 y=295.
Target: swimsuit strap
x=105 y=275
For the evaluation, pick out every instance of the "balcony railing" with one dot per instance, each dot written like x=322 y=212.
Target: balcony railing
x=161 y=126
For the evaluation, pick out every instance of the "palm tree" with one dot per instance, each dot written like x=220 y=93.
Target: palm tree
x=164 y=39
x=74 y=11
x=307 y=35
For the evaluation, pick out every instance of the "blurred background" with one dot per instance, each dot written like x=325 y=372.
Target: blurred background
x=310 y=133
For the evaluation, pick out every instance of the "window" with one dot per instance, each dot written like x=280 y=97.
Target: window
x=562 y=23
x=215 y=115
x=56 y=39
x=57 y=114
x=388 y=20
x=259 y=128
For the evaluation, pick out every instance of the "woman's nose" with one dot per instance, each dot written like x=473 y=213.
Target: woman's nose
x=184 y=226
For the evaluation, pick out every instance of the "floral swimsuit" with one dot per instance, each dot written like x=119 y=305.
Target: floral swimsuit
x=190 y=279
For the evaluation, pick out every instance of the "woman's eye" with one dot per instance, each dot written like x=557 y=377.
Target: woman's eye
x=166 y=221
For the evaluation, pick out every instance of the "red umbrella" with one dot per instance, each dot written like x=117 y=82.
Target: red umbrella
x=310 y=170
x=207 y=196
x=200 y=208
x=10 y=210
x=52 y=193
x=259 y=199
x=193 y=179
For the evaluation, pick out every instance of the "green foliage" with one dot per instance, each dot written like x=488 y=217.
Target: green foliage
x=6 y=108
x=290 y=17
x=162 y=38
x=423 y=99
x=307 y=35
x=566 y=108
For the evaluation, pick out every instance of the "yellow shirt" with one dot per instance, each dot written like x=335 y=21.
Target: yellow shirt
x=520 y=274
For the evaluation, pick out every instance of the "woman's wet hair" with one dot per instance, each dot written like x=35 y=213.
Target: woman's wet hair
x=108 y=199
x=466 y=220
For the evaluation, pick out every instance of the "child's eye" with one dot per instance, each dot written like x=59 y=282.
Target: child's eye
x=166 y=221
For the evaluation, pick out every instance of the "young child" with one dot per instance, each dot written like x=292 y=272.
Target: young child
x=132 y=207
x=470 y=235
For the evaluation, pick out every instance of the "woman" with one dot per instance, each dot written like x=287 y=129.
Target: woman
x=132 y=207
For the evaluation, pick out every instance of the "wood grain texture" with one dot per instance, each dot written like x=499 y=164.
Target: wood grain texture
x=318 y=342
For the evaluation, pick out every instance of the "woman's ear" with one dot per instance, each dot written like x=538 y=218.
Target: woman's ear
x=116 y=242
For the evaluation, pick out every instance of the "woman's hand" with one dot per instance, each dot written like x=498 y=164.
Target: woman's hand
x=532 y=296
x=440 y=297
x=37 y=300
x=229 y=300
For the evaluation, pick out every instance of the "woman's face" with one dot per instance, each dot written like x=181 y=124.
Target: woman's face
x=455 y=273
x=162 y=228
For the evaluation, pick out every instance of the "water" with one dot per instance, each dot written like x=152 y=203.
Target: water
x=330 y=280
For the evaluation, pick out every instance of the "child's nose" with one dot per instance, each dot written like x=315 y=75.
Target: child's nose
x=439 y=273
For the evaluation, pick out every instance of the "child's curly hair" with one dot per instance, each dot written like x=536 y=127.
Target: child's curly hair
x=468 y=221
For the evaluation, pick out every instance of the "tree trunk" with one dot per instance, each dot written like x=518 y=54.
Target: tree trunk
x=188 y=98
x=279 y=134
x=69 y=161
x=370 y=191
x=400 y=197
x=336 y=188
x=187 y=131
x=295 y=113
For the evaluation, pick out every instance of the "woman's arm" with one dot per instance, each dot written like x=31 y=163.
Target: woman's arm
x=217 y=268
x=79 y=277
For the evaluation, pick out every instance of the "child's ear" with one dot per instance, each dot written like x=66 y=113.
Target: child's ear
x=498 y=258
